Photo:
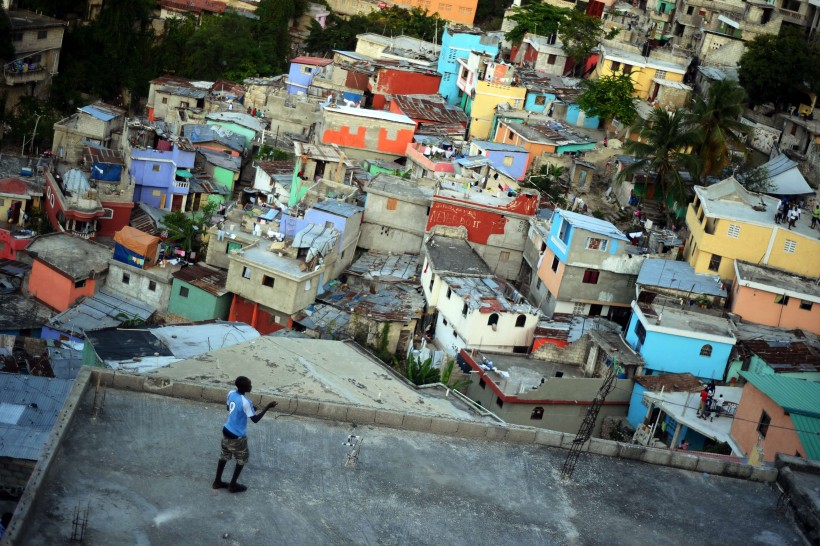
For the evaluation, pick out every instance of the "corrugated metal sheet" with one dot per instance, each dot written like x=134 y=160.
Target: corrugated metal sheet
x=594 y=225
x=29 y=407
x=100 y=311
x=808 y=429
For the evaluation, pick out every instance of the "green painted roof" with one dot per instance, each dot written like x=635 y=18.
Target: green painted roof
x=808 y=430
x=801 y=399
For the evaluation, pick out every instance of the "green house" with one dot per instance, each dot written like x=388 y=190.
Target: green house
x=198 y=293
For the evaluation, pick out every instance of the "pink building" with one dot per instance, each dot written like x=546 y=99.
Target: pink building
x=768 y=296
x=777 y=415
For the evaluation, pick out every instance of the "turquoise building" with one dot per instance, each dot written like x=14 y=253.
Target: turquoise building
x=198 y=293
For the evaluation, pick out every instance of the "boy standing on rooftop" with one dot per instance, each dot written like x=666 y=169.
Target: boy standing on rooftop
x=234 y=433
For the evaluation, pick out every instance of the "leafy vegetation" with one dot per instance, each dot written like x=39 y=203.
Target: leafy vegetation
x=116 y=55
x=31 y=113
x=666 y=138
x=717 y=118
x=340 y=34
x=186 y=228
x=775 y=67
x=609 y=97
x=421 y=372
x=546 y=182
x=579 y=33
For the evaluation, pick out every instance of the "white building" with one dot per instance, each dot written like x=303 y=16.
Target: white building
x=467 y=306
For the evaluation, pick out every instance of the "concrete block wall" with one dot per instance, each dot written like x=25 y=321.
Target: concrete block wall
x=14 y=474
x=361 y=415
x=574 y=353
x=798 y=494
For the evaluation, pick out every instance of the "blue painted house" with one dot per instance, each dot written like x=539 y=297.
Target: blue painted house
x=587 y=267
x=455 y=44
x=676 y=340
x=302 y=71
x=510 y=159
x=161 y=176
x=664 y=411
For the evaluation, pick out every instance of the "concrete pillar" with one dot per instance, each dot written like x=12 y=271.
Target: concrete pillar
x=675 y=436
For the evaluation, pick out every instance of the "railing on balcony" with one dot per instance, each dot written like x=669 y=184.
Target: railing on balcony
x=181 y=184
x=13 y=75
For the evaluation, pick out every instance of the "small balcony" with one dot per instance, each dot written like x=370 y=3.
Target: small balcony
x=21 y=74
x=182 y=185
x=432 y=163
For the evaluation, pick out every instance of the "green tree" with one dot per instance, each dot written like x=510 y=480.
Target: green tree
x=717 y=118
x=186 y=228
x=536 y=18
x=55 y=8
x=340 y=34
x=580 y=35
x=579 y=32
x=756 y=179
x=30 y=114
x=6 y=45
x=774 y=68
x=546 y=182
x=123 y=60
x=609 y=98
x=666 y=139
x=489 y=14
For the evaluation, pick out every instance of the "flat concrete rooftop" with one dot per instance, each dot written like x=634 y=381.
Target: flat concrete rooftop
x=143 y=469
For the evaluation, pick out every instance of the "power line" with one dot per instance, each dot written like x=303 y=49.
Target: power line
x=816 y=433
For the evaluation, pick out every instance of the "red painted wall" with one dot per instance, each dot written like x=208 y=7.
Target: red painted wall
x=251 y=313
x=480 y=223
x=122 y=217
x=402 y=82
x=9 y=246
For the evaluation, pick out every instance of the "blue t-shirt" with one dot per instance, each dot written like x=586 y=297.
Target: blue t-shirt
x=240 y=409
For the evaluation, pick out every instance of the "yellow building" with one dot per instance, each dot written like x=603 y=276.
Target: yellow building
x=727 y=223
x=651 y=76
x=483 y=84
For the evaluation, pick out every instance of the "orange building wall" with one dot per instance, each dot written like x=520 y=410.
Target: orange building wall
x=758 y=306
x=55 y=289
x=344 y=137
x=457 y=11
x=502 y=134
x=780 y=437
x=551 y=279
x=396 y=145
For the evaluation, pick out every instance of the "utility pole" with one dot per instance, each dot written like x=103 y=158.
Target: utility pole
x=31 y=140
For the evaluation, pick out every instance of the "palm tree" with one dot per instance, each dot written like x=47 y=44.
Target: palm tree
x=666 y=138
x=717 y=118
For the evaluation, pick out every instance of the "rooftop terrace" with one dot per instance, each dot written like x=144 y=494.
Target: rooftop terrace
x=404 y=488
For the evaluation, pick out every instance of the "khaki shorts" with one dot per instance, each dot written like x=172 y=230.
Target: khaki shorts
x=236 y=448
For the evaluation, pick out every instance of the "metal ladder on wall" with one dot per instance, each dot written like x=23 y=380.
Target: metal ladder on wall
x=587 y=426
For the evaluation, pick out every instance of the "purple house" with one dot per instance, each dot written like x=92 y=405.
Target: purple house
x=302 y=72
x=507 y=158
x=161 y=176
